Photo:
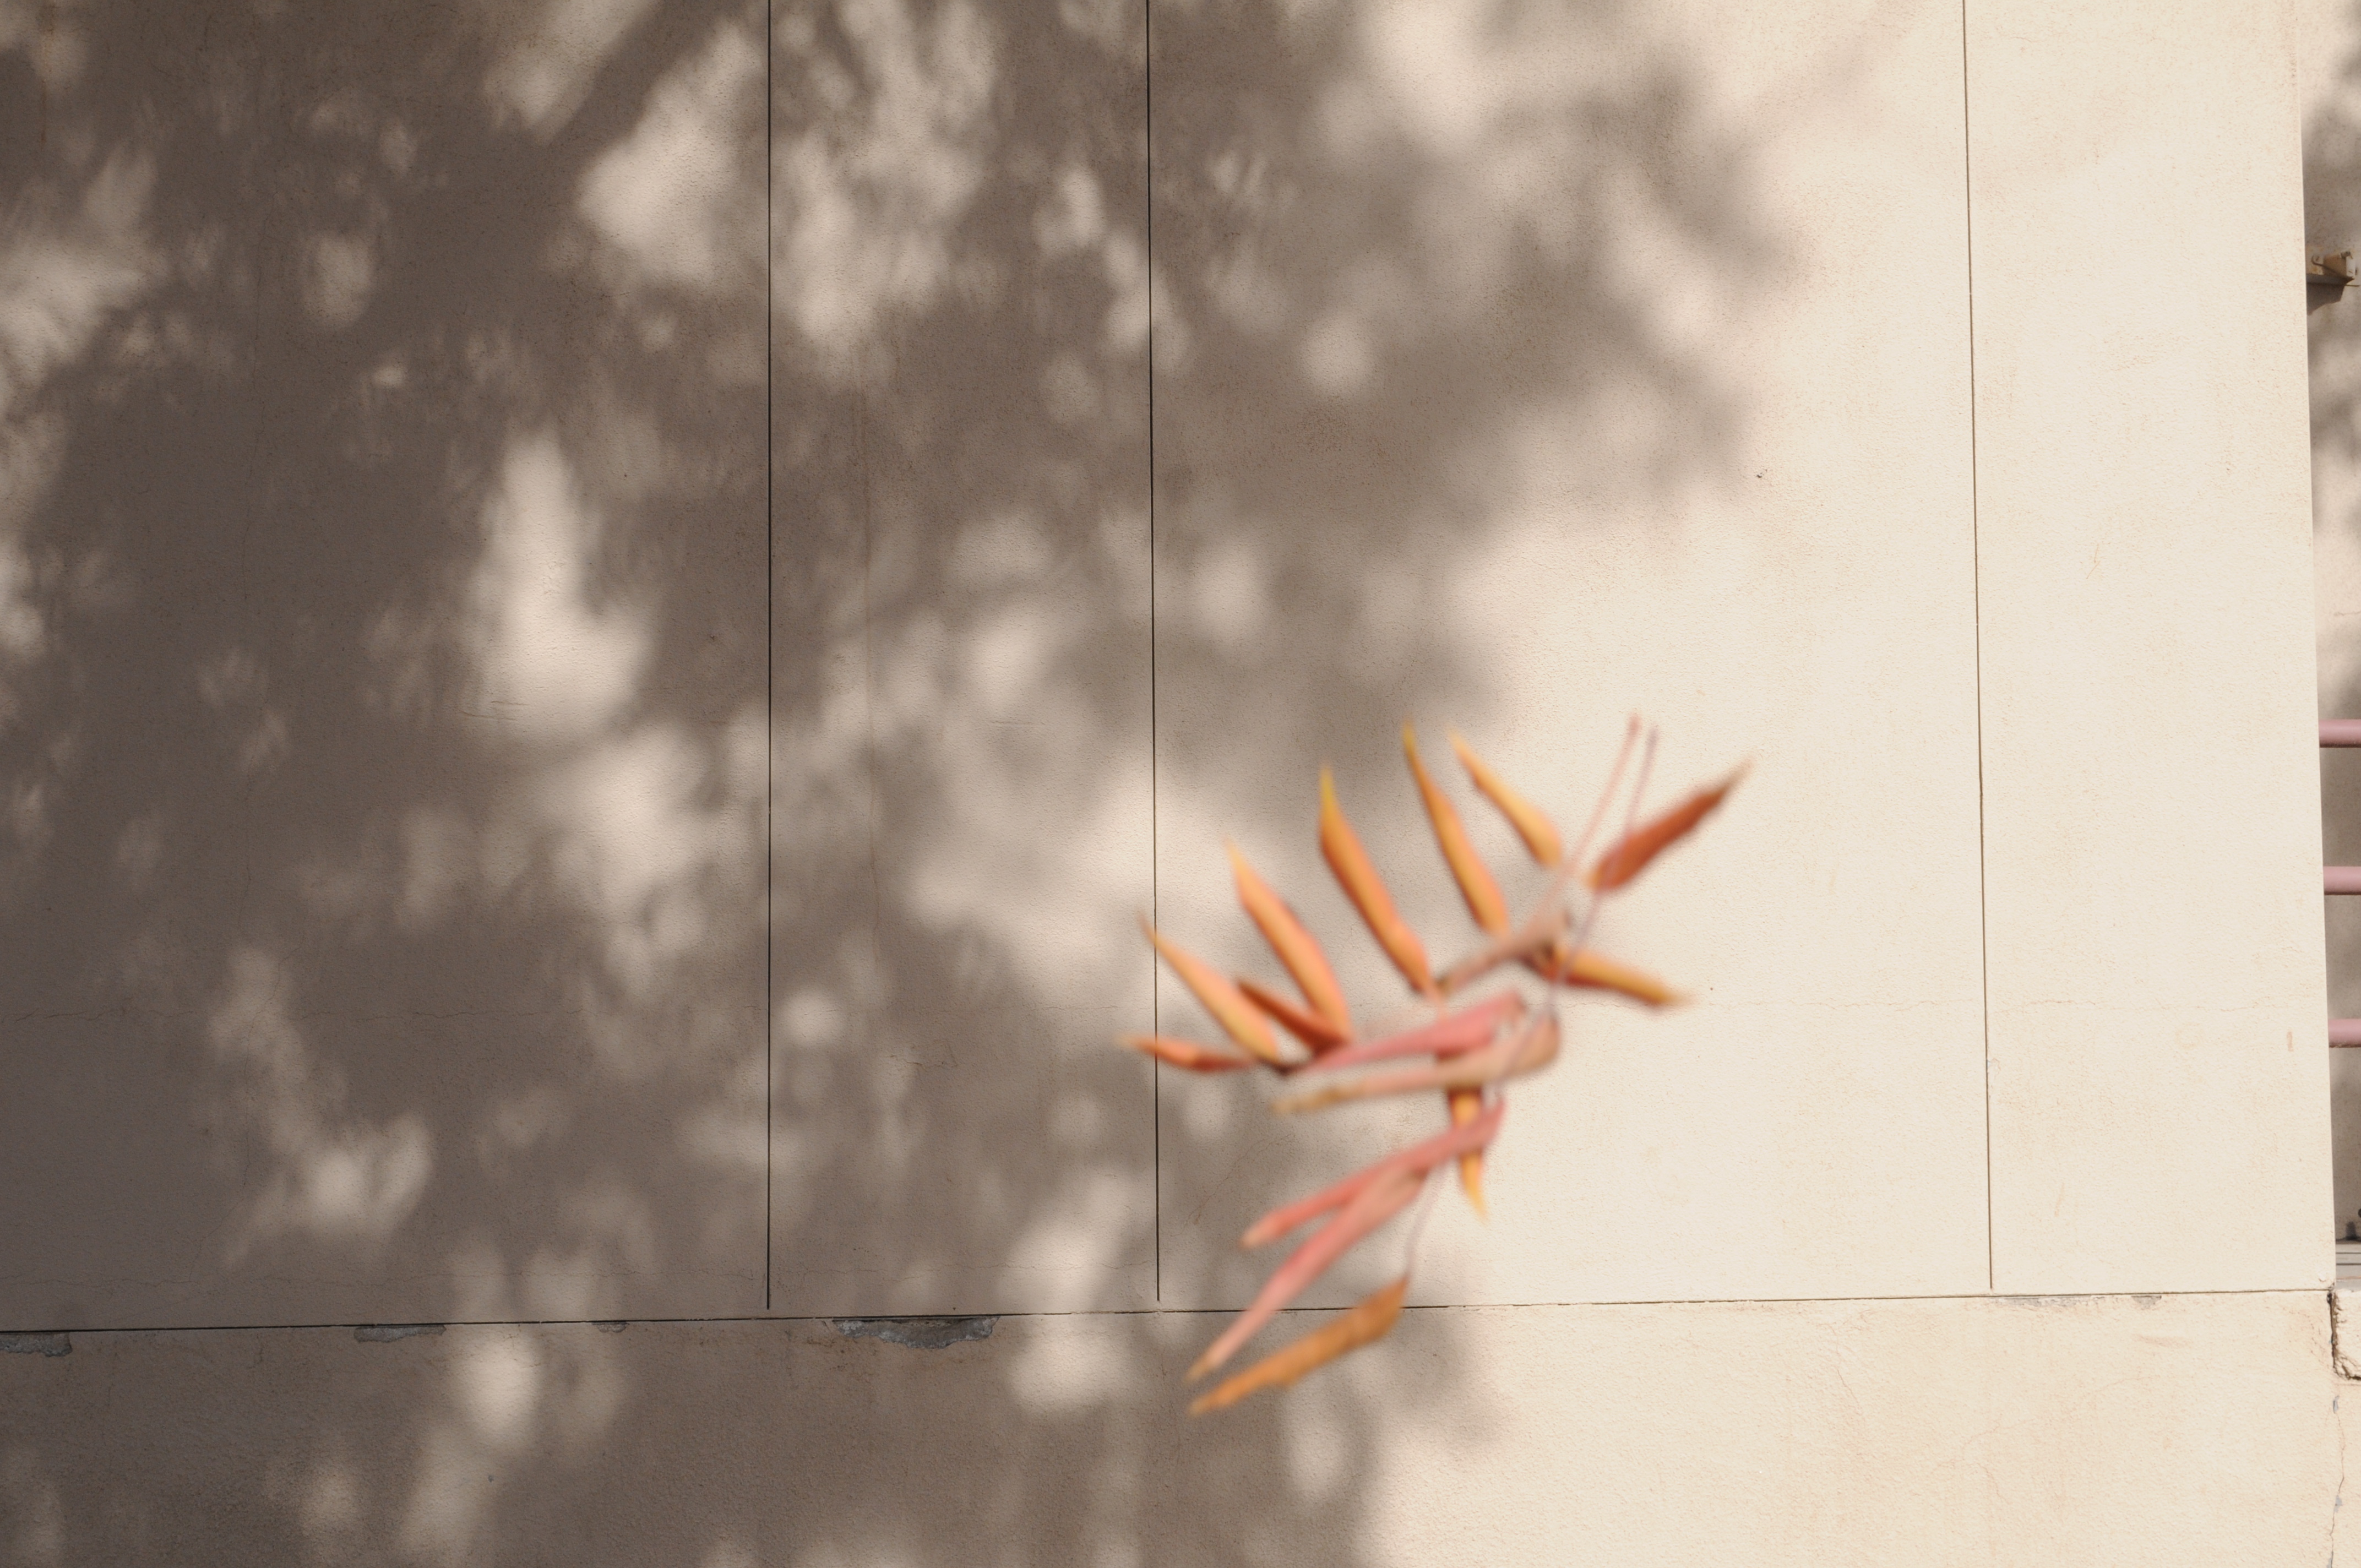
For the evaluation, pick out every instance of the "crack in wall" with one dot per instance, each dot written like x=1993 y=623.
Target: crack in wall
x=2336 y=1503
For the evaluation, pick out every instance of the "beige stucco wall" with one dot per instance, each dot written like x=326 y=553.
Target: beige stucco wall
x=1905 y=397
x=2330 y=46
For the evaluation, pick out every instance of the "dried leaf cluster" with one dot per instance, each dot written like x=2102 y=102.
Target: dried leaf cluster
x=1467 y=1051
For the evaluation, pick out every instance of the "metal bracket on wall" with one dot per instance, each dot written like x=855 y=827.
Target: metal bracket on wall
x=2326 y=274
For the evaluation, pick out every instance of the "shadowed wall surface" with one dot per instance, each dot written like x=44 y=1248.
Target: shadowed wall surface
x=610 y=608
x=386 y=727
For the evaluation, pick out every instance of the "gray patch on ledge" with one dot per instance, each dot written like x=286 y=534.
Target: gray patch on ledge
x=386 y=1333
x=918 y=1334
x=36 y=1344
x=2344 y=1340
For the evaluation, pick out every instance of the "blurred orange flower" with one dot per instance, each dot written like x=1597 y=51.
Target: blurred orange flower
x=1473 y=1047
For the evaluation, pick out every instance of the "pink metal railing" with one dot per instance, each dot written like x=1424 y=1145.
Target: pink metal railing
x=2335 y=732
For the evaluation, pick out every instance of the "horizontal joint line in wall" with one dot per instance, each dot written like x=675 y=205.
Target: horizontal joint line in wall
x=1196 y=1312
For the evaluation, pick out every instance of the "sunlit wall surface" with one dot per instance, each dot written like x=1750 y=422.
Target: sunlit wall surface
x=2331 y=58
x=609 y=610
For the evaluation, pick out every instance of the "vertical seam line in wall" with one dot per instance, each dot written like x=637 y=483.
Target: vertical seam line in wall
x=1154 y=911
x=1976 y=580
x=770 y=613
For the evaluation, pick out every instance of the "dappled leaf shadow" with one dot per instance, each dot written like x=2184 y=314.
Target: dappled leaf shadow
x=386 y=729
x=390 y=726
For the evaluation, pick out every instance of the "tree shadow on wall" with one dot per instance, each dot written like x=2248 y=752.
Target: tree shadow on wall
x=385 y=703
x=385 y=778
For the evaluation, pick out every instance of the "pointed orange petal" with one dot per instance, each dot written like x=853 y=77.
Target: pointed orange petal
x=1533 y=826
x=1187 y=1054
x=1341 y=847
x=1237 y=1015
x=1316 y=1033
x=1597 y=972
x=1467 y=868
x=1375 y=1204
x=1366 y=1323
x=1419 y=1158
x=1630 y=857
x=1467 y=1104
x=1297 y=949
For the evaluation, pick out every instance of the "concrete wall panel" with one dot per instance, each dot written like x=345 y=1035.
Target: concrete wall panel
x=2330 y=59
x=2197 y=1431
x=2151 y=852
x=1513 y=377
x=962 y=807
x=381 y=688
